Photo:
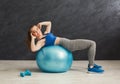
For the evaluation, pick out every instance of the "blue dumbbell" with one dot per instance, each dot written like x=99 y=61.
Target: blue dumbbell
x=26 y=73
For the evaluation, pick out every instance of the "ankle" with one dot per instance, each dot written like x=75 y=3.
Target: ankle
x=91 y=66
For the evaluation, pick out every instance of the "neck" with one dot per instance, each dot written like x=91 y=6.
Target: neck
x=38 y=38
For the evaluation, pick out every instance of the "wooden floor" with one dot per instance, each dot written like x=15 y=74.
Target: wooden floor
x=9 y=73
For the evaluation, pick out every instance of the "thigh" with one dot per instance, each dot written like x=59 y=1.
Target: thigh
x=77 y=44
x=65 y=43
x=80 y=44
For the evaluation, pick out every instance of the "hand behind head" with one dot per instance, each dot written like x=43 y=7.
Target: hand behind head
x=33 y=36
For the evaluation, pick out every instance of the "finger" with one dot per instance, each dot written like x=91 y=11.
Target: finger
x=31 y=34
x=38 y=25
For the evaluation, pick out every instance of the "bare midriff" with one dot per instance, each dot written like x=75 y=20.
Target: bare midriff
x=57 y=40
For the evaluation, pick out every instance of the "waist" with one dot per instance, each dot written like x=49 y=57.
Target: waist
x=57 y=40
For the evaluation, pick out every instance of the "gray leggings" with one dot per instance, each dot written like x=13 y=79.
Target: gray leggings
x=80 y=44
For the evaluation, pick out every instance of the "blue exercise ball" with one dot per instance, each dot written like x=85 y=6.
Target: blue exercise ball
x=54 y=59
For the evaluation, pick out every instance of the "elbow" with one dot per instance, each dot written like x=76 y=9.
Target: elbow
x=49 y=22
x=33 y=50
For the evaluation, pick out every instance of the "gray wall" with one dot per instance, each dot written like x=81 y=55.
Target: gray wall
x=98 y=20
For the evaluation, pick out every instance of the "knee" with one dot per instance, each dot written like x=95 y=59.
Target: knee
x=93 y=43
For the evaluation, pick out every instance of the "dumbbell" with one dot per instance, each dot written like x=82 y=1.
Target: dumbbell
x=25 y=73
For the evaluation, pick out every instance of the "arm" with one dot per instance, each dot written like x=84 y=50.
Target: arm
x=47 y=24
x=38 y=45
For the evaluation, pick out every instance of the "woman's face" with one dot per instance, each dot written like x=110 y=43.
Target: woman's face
x=36 y=32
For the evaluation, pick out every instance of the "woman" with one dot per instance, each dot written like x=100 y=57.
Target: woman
x=37 y=40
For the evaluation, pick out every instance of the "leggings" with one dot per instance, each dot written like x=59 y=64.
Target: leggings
x=80 y=44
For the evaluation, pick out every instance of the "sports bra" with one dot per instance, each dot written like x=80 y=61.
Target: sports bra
x=50 y=39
